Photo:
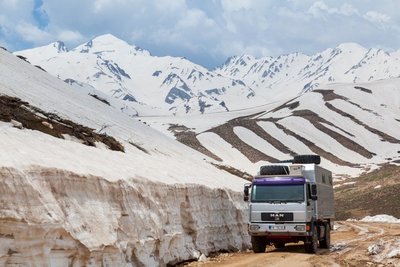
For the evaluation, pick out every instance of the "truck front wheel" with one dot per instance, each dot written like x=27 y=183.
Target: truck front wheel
x=311 y=245
x=258 y=243
x=326 y=242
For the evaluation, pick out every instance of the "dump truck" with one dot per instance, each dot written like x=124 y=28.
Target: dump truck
x=291 y=201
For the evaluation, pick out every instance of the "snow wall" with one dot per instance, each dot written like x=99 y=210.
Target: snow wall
x=52 y=217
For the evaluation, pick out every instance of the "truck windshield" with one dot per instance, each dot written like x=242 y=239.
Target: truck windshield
x=277 y=193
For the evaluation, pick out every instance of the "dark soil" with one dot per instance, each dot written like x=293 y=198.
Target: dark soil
x=188 y=137
x=225 y=131
x=329 y=95
x=33 y=118
x=363 y=89
x=382 y=135
x=318 y=122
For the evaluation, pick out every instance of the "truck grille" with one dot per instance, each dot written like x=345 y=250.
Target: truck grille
x=276 y=216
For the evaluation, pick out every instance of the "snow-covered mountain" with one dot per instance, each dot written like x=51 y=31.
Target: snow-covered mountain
x=82 y=184
x=354 y=127
x=148 y=84
x=291 y=73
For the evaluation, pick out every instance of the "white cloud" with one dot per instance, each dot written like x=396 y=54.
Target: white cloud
x=376 y=17
x=5 y=44
x=190 y=32
x=236 y=5
x=258 y=50
x=206 y=31
x=320 y=9
x=104 y=5
x=70 y=36
x=32 y=33
x=348 y=10
x=170 y=6
x=15 y=9
x=194 y=18
x=10 y=3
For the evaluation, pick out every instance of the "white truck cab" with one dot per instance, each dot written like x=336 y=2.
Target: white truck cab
x=291 y=202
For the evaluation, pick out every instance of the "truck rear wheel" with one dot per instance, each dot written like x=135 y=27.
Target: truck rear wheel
x=258 y=243
x=326 y=242
x=279 y=244
x=311 y=245
x=274 y=170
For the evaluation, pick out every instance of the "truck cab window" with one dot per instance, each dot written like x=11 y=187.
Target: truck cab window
x=278 y=193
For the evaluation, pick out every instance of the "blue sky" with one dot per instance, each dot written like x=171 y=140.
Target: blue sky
x=204 y=31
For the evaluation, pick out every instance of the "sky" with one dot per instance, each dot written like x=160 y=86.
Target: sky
x=206 y=32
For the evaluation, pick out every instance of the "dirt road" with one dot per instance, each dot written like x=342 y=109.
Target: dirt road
x=353 y=244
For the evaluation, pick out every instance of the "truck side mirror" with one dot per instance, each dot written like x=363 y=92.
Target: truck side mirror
x=314 y=195
x=246 y=192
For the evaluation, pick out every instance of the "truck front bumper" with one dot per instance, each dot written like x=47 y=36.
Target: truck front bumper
x=281 y=229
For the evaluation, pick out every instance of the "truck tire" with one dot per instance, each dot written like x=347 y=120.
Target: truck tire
x=311 y=245
x=274 y=170
x=279 y=244
x=258 y=243
x=326 y=241
x=307 y=159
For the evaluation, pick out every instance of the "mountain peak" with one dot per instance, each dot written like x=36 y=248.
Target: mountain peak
x=350 y=47
x=107 y=39
x=109 y=43
x=102 y=43
x=60 y=46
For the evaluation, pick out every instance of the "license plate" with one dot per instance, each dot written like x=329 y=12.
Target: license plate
x=277 y=227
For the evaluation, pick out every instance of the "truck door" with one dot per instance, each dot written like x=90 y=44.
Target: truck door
x=310 y=203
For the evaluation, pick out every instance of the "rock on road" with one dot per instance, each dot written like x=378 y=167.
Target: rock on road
x=353 y=244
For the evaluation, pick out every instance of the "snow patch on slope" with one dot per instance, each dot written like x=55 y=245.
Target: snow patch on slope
x=381 y=218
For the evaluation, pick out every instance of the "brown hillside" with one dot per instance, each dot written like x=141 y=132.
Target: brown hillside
x=363 y=198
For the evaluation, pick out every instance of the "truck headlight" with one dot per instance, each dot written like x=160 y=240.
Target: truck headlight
x=301 y=228
x=254 y=227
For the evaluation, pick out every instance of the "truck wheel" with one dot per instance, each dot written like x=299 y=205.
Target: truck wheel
x=279 y=244
x=307 y=159
x=274 y=170
x=326 y=242
x=311 y=245
x=258 y=243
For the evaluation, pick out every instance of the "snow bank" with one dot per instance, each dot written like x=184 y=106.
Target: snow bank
x=52 y=217
x=381 y=218
x=395 y=253
x=385 y=252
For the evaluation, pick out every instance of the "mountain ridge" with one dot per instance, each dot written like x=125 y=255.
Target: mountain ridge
x=152 y=85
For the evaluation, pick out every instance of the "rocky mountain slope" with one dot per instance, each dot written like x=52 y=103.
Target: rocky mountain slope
x=82 y=184
x=354 y=127
x=147 y=84
x=150 y=85
x=347 y=63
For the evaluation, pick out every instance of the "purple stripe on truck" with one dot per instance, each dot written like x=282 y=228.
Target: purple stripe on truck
x=259 y=180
